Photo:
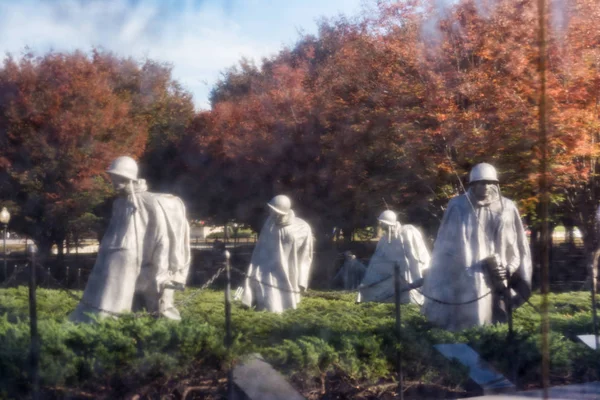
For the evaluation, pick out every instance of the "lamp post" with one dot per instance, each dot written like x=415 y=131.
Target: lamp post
x=34 y=349
x=235 y=232
x=4 y=219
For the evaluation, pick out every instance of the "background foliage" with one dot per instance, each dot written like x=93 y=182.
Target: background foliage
x=392 y=107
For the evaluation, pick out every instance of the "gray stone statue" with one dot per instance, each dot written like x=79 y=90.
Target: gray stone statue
x=280 y=265
x=144 y=254
x=400 y=244
x=481 y=247
x=351 y=273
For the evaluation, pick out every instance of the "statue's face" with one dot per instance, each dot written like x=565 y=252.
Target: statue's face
x=119 y=182
x=483 y=189
x=386 y=227
x=279 y=218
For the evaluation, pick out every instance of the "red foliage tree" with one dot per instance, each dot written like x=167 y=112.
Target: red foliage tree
x=61 y=124
x=401 y=104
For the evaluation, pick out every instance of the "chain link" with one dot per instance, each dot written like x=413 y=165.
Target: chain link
x=205 y=286
x=244 y=274
x=362 y=288
x=449 y=303
x=408 y=289
x=135 y=315
x=240 y=272
x=13 y=276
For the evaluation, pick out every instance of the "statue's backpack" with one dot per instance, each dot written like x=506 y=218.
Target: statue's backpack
x=178 y=231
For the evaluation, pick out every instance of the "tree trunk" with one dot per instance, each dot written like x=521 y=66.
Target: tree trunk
x=60 y=250
x=44 y=245
x=535 y=252
x=590 y=245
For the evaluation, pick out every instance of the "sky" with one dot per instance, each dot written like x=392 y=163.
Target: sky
x=200 y=38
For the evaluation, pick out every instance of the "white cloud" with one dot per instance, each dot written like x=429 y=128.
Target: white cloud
x=199 y=40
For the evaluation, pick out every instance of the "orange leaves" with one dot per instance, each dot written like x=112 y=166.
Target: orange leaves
x=66 y=117
x=373 y=107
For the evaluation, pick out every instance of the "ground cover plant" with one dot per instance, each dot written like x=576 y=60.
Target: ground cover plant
x=329 y=345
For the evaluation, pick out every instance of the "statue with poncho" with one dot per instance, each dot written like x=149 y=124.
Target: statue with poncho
x=144 y=254
x=280 y=265
x=351 y=273
x=481 y=258
x=402 y=245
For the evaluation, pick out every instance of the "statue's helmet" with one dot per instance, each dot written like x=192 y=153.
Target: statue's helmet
x=388 y=217
x=483 y=172
x=281 y=204
x=124 y=166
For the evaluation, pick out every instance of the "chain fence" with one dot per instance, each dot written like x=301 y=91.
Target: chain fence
x=16 y=271
x=358 y=289
x=140 y=314
x=62 y=285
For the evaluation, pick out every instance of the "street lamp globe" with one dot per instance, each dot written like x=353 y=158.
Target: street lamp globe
x=4 y=216
x=33 y=249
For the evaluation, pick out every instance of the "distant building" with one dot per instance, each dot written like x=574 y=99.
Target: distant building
x=202 y=231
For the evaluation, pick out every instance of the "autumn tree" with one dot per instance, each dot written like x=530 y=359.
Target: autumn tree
x=396 y=107
x=161 y=104
x=61 y=124
x=326 y=122
x=482 y=69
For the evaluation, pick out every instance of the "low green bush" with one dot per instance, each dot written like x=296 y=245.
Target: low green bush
x=328 y=333
x=242 y=234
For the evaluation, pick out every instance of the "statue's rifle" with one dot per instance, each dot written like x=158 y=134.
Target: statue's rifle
x=136 y=211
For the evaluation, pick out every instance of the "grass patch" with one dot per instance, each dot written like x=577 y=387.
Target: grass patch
x=328 y=334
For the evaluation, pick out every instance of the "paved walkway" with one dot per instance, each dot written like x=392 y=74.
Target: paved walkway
x=583 y=391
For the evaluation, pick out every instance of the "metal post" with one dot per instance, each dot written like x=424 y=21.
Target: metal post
x=510 y=338
x=235 y=233
x=228 y=340
x=35 y=340
x=595 y=318
x=78 y=278
x=594 y=308
x=67 y=277
x=398 y=294
x=544 y=189
x=5 y=268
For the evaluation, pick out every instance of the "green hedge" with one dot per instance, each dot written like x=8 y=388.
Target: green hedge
x=328 y=333
x=242 y=234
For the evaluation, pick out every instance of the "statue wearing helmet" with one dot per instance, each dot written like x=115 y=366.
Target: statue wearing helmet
x=125 y=167
x=351 y=273
x=280 y=204
x=144 y=254
x=481 y=262
x=483 y=172
x=281 y=261
x=402 y=244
